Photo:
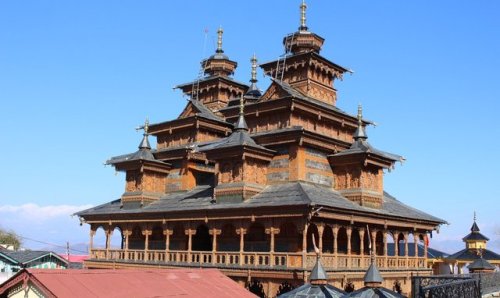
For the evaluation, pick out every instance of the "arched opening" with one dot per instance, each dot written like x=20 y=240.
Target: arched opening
x=202 y=240
x=401 y=244
x=157 y=239
x=379 y=243
x=179 y=239
x=136 y=240
x=391 y=245
x=342 y=241
x=327 y=240
x=256 y=287
x=256 y=238
x=366 y=243
x=411 y=245
x=228 y=240
x=116 y=241
x=288 y=240
x=421 y=245
x=99 y=238
x=355 y=242
x=312 y=230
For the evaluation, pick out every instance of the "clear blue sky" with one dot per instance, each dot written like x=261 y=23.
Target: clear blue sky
x=77 y=77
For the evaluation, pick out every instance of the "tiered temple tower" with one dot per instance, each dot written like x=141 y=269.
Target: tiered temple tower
x=242 y=180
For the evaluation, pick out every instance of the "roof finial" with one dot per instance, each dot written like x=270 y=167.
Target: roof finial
x=372 y=277
x=145 y=141
x=303 y=8
x=242 y=106
x=219 y=40
x=360 y=131
x=146 y=126
x=474 y=215
x=254 y=69
x=241 y=124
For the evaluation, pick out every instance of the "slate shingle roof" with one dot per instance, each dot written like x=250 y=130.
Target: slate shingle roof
x=26 y=256
x=467 y=254
x=286 y=194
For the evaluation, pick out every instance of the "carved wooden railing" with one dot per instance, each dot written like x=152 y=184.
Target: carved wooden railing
x=256 y=259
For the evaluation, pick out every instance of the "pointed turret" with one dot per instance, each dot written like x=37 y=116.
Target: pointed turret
x=215 y=86
x=318 y=274
x=360 y=132
x=145 y=175
x=302 y=67
x=475 y=240
x=144 y=145
x=358 y=171
x=219 y=64
x=241 y=124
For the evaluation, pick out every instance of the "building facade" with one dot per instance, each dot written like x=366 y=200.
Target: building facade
x=242 y=180
x=12 y=262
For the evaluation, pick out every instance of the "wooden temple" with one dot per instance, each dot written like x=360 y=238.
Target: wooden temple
x=243 y=179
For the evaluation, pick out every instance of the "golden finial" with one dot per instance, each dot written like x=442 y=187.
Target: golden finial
x=146 y=126
x=303 y=8
x=254 y=69
x=242 y=105
x=360 y=114
x=219 y=40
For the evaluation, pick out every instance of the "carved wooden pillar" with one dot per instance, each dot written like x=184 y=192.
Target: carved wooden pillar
x=321 y=228
x=335 y=231
x=385 y=248
x=415 y=243
x=425 y=248
x=146 y=234
x=361 y=241
x=214 y=232
x=374 y=242
x=349 y=232
x=167 y=233
x=304 y=245
x=109 y=233
x=241 y=231
x=190 y=232
x=91 y=240
x=406 y=244
x=126 y=234
x=396 y=243
x=272 y=231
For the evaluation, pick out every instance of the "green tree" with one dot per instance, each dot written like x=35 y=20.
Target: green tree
x=10 y=238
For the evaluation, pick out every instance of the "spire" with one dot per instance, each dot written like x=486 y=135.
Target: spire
x=253 y=90
x=318 y=274
x=303 y=8
x=254 y=69
x=372 y=278
x=474 y=228
x=219 y=40
x=360 y=131
x=145 y=142
x=241 y=124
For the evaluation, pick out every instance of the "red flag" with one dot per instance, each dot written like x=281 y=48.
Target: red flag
x=426 y=240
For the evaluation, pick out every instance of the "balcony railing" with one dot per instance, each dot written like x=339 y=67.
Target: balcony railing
x=256 y=259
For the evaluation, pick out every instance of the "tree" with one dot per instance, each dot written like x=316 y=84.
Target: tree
x=10 y=238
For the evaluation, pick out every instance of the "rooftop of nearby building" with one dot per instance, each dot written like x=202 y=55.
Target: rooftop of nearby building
x=130 y=283
x=22 y=257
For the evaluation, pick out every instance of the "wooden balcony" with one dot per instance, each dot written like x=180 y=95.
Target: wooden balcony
x=276 y=260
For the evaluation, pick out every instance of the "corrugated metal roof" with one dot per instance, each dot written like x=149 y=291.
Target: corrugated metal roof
x=138 y=283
